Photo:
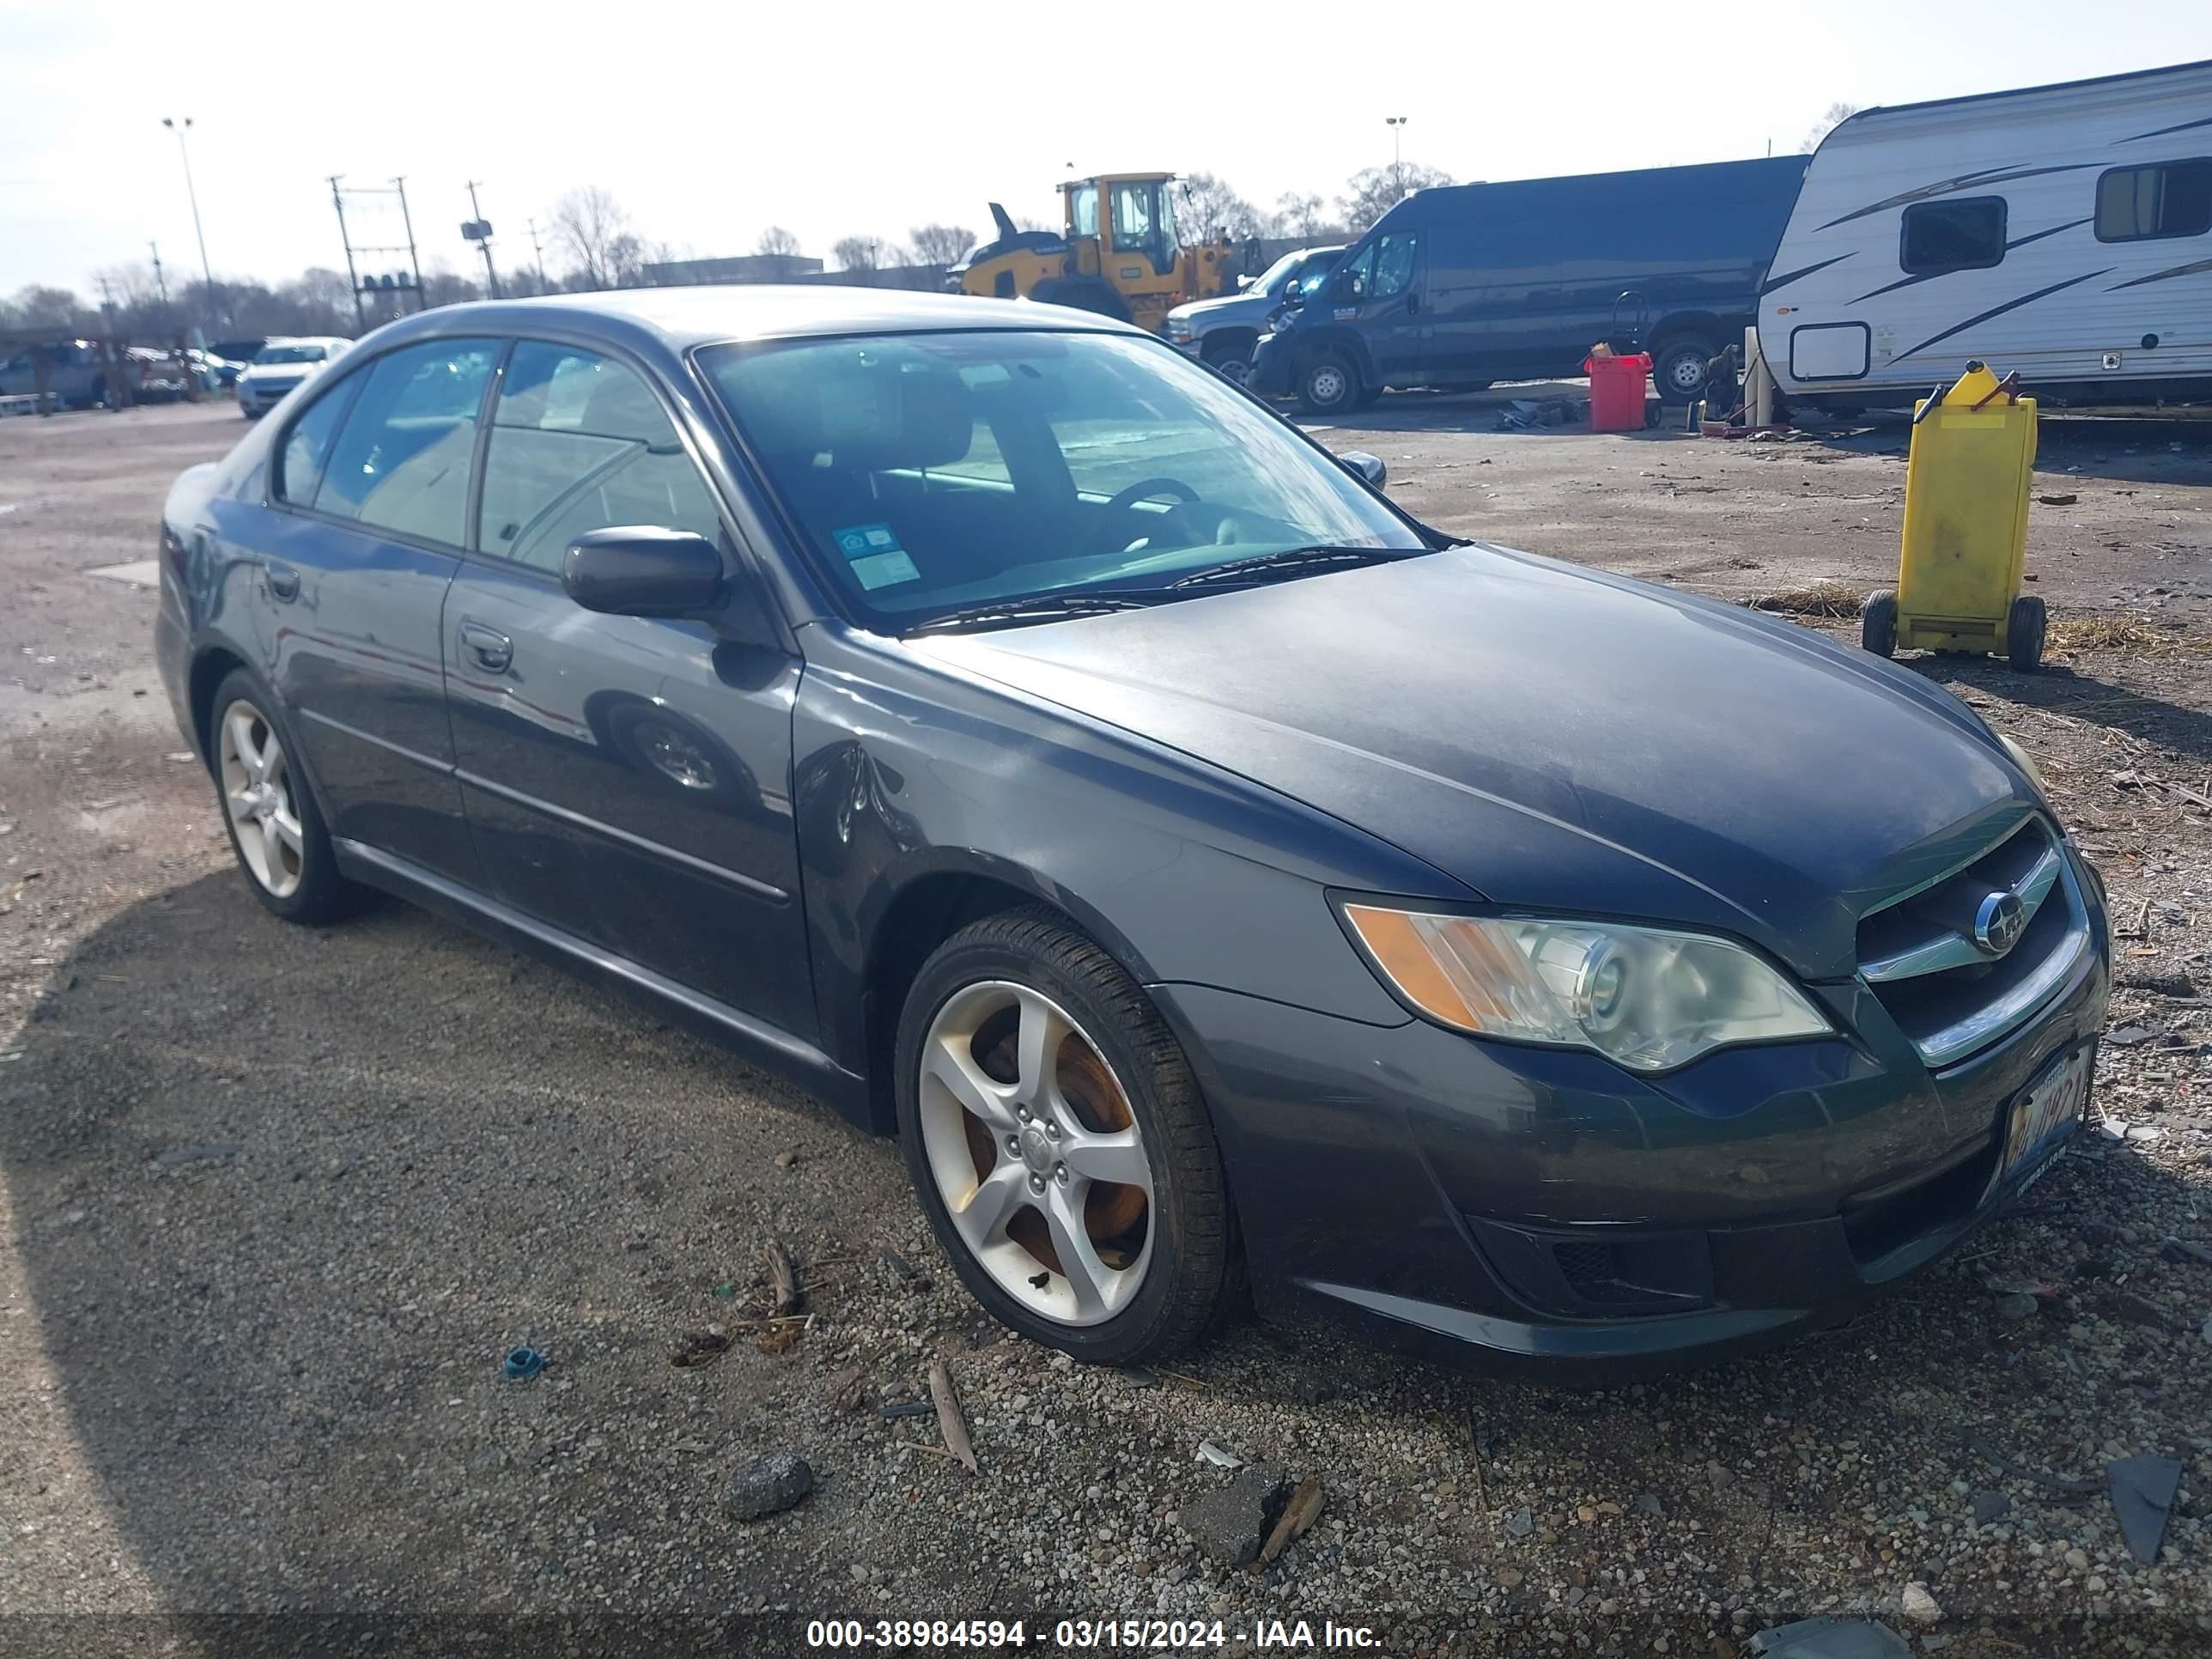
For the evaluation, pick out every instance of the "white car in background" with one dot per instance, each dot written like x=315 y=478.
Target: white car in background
x=281 y=364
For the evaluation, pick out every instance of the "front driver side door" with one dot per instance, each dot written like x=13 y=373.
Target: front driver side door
x=1378 y=295
x=628 y=779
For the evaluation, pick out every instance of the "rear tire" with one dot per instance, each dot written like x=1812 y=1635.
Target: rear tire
x=1154 y=1259
x=1878 y=623
x=276 y=825
x=1678 y=370
x=2024 y=629
x=1327 y=384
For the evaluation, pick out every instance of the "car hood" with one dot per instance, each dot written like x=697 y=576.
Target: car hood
x=1225 y=307
x=277 y=371
x=1555 y=738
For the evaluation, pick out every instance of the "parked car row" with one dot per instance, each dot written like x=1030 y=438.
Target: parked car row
x=76 y=373
x=1040 y=748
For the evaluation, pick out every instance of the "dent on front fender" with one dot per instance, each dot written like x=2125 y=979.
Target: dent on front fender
x=904 y=770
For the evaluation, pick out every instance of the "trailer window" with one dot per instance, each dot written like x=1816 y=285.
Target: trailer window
x=1967 y=234
x=2172 y=199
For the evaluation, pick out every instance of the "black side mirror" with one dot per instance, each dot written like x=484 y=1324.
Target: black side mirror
x=639 y=570
x=1367 y=469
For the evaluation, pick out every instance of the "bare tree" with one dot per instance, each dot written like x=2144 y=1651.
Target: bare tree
x=859 y=253
x=1832 y=117
x=1307 y=217
x=1373 y=192
x=941 y=245
x=777 y=243
x=1208 y=206
x=443 y=286
x=590 y=225
x=41 y=306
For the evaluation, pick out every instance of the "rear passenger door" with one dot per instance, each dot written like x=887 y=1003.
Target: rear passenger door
x=371 y=482
x=628 y=779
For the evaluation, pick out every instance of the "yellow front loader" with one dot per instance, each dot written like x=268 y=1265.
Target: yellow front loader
x=1119 y=254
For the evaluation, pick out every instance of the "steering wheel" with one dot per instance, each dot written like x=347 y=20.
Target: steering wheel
x=1125 y=500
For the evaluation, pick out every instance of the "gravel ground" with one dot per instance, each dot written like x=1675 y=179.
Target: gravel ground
x=276 y=1203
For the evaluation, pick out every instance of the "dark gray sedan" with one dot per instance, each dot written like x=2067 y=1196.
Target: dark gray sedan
x=1026 y=740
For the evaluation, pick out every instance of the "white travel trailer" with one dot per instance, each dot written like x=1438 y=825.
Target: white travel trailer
x=2064 y=232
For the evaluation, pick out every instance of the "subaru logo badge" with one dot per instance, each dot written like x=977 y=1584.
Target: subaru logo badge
x=1999 y=923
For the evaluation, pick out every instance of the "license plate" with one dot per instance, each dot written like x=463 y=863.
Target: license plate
x=2047 y=1112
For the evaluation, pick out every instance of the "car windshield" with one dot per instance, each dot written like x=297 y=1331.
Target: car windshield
x=936 y=472
x=289 y=354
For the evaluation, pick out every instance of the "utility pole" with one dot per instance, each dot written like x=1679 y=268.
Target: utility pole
x=478 y=230
x=538 y=252
x=192 y=194
x=353 y=277
x=422 y=300
x=1397 y=125
x=161 y=283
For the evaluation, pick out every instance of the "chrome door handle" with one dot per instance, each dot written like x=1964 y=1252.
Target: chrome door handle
x=283 y=581
x=490 y=650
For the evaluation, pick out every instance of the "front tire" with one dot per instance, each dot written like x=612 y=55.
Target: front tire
x=1327 y=384
x=1878 y=623
x=277 y=829
x=1230 y=359
x=2024 y=630
x=1056 y=1139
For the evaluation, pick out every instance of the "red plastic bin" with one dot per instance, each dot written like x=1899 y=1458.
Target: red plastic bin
x=1617 y=391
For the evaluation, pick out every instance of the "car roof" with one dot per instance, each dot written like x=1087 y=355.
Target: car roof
x=680 y=317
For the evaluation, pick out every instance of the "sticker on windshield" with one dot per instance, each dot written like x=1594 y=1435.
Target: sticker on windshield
x=882 y=569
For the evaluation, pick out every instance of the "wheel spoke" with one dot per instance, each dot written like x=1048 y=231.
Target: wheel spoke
x=951 y=1064
x=1037 y=1052
x=242 y=803
x=287 y=828
x=272 y=849
x=1119 y=1157
x=983 y=1217
x=242 y=740
x=1089 y=1279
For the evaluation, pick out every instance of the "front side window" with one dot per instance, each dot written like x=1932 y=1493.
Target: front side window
x=1967 y=234
x=308 y=445
x=402 y=460
x=2173 y=198
x=934 y=472
x=1381 y=269
x=290 y=354
x=580 y=443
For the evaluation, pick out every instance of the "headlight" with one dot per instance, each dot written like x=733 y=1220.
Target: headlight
x=1646 y=997
x=2023 y=760
x=1178 y=328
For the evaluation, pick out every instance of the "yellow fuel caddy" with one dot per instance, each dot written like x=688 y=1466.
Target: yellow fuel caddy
x=1966 y=529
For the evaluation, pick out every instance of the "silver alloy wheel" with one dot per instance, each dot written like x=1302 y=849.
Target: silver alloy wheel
x=1687 y=372
x=1327 y=385
x=676 y=754
x=1031 y=1140
x=257 y=790
x=1235 y=369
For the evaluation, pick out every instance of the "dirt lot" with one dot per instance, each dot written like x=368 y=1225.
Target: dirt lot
x=277 y=1202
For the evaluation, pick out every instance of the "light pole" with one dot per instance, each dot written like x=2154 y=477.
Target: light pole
x=1397 y=125
x=180 y=128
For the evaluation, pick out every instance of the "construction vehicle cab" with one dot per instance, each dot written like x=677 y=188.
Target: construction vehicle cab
x=1118 y=253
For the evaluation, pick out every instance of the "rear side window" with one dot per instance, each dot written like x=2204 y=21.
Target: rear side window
x=2173 y=198
x=580 y=443
x=402 y=459
x=1967 y=234
x=308 y=445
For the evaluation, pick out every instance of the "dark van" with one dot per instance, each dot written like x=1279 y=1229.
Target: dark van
x=1464 y=284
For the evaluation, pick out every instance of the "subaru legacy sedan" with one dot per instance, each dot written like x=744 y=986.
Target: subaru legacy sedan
x=1210 y=875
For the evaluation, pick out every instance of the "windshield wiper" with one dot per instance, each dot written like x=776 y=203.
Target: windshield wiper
x=1260 y=566
x=1014 y=613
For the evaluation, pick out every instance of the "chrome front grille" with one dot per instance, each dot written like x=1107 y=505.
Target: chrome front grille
x=1937 y=957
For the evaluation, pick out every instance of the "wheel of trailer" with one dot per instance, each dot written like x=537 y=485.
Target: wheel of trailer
x=276 y=829
x=2024 y=627
x=1878 y=623
x=1231 y=358
x=1327 y=385
x=1677 y=368
x=1056 y=1139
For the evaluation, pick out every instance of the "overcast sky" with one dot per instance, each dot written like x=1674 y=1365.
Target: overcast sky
x=709 y=123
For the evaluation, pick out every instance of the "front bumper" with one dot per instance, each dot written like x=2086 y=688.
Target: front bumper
x=260 y=399
x=1435 y=1192
x=1271 y=366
